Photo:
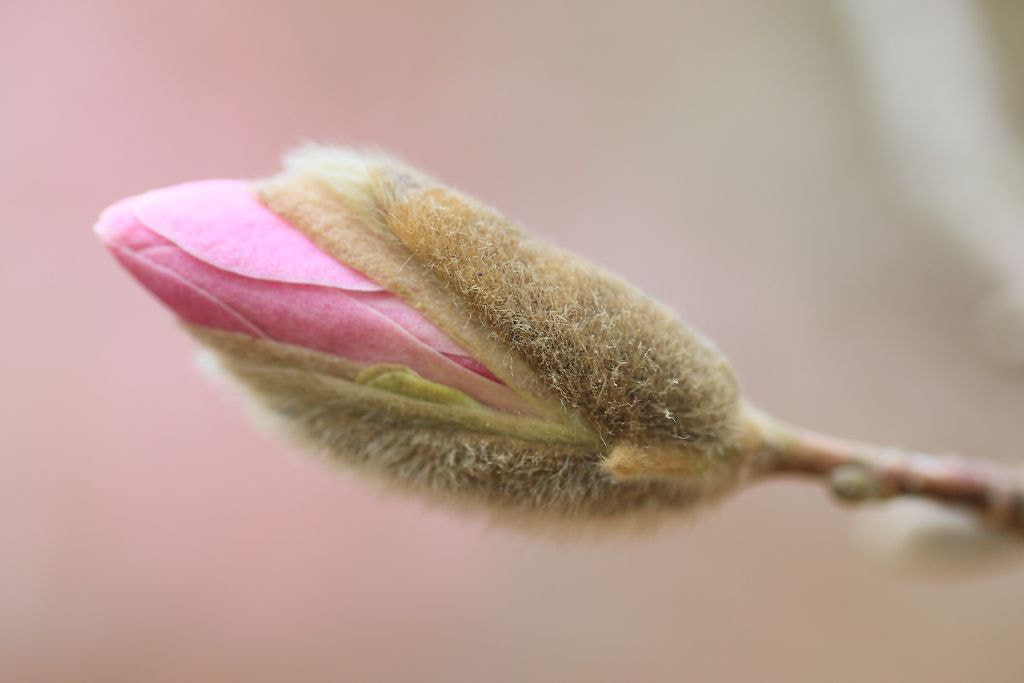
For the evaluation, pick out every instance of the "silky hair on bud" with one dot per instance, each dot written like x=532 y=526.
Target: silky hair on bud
x=624 y=390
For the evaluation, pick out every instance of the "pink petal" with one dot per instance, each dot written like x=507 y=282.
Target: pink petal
x=189 y=301
x=410 y=319
x=472 y=364
x=222 y=223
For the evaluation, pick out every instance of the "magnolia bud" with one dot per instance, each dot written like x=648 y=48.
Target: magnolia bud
x=414 y=333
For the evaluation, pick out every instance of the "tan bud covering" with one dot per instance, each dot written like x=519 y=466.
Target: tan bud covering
x=632 y=410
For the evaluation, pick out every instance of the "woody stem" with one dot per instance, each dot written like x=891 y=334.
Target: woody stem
x=858 y=472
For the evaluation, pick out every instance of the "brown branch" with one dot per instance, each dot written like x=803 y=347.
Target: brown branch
x=858 y=472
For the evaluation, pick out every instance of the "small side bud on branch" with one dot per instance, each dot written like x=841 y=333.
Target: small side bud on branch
x=855 y=483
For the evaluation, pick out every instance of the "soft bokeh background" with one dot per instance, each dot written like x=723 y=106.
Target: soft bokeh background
x=721 y=155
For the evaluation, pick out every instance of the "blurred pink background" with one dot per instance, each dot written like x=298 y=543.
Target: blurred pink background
x=717 y=154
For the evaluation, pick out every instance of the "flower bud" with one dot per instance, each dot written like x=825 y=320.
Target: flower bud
x=412 y=332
